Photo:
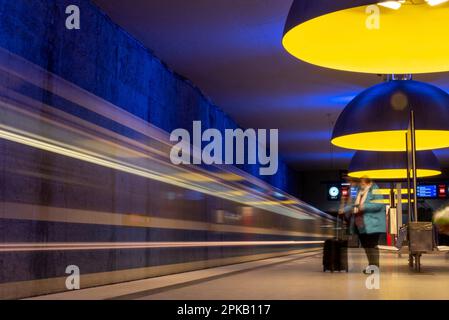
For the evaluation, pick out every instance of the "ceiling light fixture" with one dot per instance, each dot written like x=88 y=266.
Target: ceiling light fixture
x=392 y=165
x=395 y=5
x=435 y=2
x=366 y=36
x=377 y=119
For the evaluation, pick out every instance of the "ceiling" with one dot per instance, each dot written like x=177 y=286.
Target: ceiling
x=231 y=49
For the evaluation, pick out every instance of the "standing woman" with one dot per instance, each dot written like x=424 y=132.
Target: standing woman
x=369 y=219
x=347 y=202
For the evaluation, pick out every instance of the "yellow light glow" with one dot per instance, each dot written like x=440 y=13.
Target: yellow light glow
x=194 y=177
x=383 y=192
x=412 y=39
x=273 y=203
x=435 y=2
x=395 y=5
x=387 y=191
x=230 y=176
x=231 y=193
x=393 y=173
x=393 y=140
x=387 y=201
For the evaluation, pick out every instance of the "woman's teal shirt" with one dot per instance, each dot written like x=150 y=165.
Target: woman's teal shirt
x=374 y=214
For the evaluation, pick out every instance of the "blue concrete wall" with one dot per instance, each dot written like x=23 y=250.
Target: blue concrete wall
x=105 y=60
x=47 y=198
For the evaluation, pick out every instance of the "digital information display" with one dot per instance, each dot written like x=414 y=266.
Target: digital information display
x=354 y=191
x=427 y=191
x=336 y=191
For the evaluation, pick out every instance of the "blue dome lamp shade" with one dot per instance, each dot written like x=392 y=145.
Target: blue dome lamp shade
x=377 y=119
x=392 y=165
x=380 y=36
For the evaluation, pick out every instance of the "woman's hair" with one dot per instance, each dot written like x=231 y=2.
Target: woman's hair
x=366 y=179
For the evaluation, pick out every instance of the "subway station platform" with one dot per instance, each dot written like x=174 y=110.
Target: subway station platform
x=188 y=150
x=293 y=277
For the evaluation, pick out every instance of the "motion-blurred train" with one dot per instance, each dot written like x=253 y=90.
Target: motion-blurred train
x=86 y=184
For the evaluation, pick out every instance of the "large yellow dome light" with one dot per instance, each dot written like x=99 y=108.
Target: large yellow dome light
x=401 y=37
x=392 y=165
x=377 y=119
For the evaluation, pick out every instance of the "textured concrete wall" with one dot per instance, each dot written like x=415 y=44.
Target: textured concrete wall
x=105 y=60
x=46 y=199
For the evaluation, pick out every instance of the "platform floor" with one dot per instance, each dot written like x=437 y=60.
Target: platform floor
x=292 y=277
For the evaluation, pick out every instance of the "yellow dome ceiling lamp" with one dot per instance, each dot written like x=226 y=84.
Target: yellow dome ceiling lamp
x=382 y=37
x=378 y=118
x=392 y=165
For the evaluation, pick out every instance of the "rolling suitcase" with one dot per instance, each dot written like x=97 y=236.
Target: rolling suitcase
x=335 y=254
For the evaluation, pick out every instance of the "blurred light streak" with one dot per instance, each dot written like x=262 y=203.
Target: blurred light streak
x=66 y=134
x=48 y=246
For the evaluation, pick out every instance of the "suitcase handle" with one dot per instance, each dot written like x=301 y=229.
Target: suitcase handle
x=337 y=236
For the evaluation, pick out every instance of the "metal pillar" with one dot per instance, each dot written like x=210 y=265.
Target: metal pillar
x=414 y=258
x=399 y=205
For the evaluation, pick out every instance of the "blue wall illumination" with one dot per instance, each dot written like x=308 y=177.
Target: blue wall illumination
x=105 y=60
x=305 y=135
x=320 y=156
x=90 y=173
x=343 y=99
x=323 y=100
